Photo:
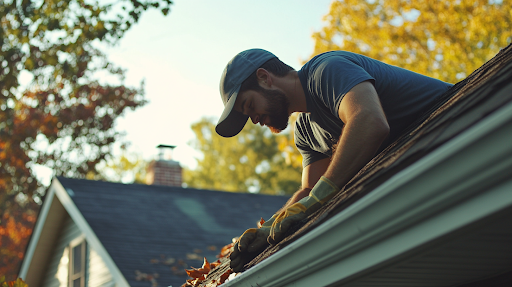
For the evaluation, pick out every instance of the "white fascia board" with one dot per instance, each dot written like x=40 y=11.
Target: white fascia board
x=434 y=196
x=90 y=236
x=36 y=233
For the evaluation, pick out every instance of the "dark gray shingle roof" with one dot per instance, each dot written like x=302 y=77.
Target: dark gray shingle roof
x=138 y=223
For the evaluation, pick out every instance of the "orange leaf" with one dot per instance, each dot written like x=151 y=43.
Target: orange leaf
x=196 y=273
x=260 y=223
x=214 y=264
x=206 y=265
x=224 y=276
x=193 y=282
x=226 y=250
x=199 y=272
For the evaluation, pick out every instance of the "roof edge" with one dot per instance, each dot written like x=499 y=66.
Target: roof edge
x=90 y=236
x=36 y=234
x=390 y=213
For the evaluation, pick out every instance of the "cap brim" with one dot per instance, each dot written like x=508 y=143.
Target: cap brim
x=231 y=122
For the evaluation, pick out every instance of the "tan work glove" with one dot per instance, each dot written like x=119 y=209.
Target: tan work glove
x=253 y=241
x=322 y=192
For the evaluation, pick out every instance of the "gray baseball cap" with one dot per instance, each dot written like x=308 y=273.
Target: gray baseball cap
x=236 y=72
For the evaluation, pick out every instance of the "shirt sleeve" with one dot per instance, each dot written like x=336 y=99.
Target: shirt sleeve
x=333 y=77
x=308 y=154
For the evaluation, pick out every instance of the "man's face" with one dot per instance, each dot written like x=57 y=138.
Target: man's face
x=266 y=107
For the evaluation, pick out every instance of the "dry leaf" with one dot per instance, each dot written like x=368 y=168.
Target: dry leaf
x=214 y=264
x=224 y=276
x=199 y=272
x=192 y=282
x=169 y=261
x=193 y=256
x=154 y=261
x=226 y=250
x=260 y=223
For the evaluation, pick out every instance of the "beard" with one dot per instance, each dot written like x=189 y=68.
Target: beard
x=277 y=110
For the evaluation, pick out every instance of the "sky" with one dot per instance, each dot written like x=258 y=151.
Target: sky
x=181 y=57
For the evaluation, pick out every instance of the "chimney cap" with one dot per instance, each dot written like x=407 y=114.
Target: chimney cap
x=166 y=146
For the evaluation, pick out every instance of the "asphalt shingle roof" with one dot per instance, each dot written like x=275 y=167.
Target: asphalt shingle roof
x=140 y=223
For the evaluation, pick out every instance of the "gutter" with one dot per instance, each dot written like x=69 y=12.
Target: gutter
x=461 y=182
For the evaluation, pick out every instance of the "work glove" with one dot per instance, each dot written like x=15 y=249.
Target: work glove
x=322 y=192
x=251 y=243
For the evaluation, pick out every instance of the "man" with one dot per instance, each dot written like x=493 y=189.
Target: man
x=350 y=106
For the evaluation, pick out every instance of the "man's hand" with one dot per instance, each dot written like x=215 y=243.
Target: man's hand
x=322 y=192
x=293 y=214
x=253 y=241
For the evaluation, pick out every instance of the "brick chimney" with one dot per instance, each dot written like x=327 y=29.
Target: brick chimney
x=164 y=171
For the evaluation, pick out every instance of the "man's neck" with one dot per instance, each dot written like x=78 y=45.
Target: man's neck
x=292 y=88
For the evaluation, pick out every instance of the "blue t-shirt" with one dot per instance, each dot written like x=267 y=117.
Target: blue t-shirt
x=404 y=95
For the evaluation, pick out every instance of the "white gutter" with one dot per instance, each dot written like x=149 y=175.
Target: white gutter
x=441 y=192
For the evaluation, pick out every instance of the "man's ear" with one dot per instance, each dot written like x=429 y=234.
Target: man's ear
x=264 y=78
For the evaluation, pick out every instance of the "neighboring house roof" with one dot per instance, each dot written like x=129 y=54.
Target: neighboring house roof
x=132 y=225
x=433 y=209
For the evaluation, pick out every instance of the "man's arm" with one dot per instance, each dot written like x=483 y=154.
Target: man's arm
x=364 y=131
x=310 y=175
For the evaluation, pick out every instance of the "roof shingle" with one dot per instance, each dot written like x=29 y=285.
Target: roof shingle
x=139 y=223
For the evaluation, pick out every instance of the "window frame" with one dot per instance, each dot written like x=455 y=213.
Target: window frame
x=81 y=274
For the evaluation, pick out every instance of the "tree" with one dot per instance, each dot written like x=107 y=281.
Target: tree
x=17 y=283
x=14 y=233
x=443 y=39
x=129 y=167
x=251 y=161
x=63 y=117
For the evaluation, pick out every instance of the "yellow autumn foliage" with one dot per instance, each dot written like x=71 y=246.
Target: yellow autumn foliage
x=446 y=40
x=17 y=283
x=442 y=39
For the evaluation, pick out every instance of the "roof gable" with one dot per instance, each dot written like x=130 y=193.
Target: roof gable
x=56 y=205
x=142 y=228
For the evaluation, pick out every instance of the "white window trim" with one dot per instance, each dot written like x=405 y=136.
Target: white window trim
x=81 y=275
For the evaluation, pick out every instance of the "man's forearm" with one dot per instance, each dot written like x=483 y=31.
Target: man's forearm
x=357 y=145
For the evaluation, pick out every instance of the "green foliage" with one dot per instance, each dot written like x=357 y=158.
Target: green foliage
x=250 y=161
x=126 y=168
x=443 y=39
x=62 y=116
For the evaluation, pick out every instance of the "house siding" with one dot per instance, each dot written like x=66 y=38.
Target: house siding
x=97 y=272
x=56 y=275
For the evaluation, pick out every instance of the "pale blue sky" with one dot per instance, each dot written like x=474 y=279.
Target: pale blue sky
x=182 y=56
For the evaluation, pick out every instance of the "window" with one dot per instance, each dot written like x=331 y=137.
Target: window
x=77 y=264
